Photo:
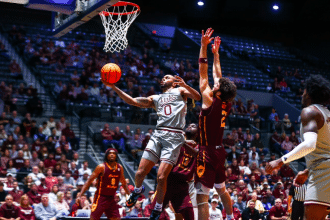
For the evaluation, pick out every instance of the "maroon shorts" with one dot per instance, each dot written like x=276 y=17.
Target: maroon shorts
x=104 y=204
x=211 y=166
x=178 y=194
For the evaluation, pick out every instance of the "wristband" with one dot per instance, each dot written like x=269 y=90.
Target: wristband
x=202 y=60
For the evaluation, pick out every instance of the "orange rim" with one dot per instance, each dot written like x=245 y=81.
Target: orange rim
x=122 y=13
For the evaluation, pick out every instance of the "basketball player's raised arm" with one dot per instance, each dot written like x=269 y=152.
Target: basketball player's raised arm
x=309 y=119
x=203 y=67
x=123 y=181
x=217 y=74
x=186 y=90
x=98 y=170
x=142 y=102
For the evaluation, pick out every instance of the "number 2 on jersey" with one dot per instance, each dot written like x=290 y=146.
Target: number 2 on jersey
x=223 y=119
x=167 y=109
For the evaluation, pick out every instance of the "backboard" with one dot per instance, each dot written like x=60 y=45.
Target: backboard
x=62 y=24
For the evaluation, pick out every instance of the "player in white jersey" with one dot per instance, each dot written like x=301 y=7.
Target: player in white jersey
x=315 y=128
x=168 y=137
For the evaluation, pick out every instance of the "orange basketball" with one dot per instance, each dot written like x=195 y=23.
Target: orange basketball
x=110 y=73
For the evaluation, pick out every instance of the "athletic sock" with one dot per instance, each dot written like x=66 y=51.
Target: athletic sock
x=229 y=217
x=138 y=190
x=158 y=207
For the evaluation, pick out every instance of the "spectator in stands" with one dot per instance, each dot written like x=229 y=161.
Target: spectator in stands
x=50 y=179
x=293 y=138
x=255 y=116
x=51 y=124
x=62 y=123
x=241 y=110
x=214 y=212
x=118 y=139
x=4 y=159
x=36 y=176
x=228 y=142
x=53 y=194
x=19 y=160
x=247 y=143
x=250 y=213
x=33 y=195
x=85 y=169
x=24 y=171
x=60 y=203
x=8 y=144
x=258 y=204
x=3 y=193
x=254 y=150
x=136 y=145
x=266 y=204
x=275 y=143
x=16 y=193
x=277 y=211
x=278 y=189
x=258 y=144
x=252 y=185
x=82 y=96
x=45 y=129
x=286 y=172
x=107 y=136
x=45 y=210
x=10 y=127
x=8 y=210
x=63 y=141
x=34 y=160
x=4 y=120
x=26 y=211
x=284 y=86
x=286 y=124
x=240 y=204
x=287 y=145
x=68 y=180
x=245 y=170
x=274 y=118
x=234 y=166
x=43 y=188
x=232 y=155
x=76 y=161
x=70 y=137
x=27 y=184
x=15 y=70
x=58 y=87
x=50 y=162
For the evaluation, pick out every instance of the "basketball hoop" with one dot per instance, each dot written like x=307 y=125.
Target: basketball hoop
x=116 y=25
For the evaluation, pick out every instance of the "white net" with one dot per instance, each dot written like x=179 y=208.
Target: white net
x=116 y=21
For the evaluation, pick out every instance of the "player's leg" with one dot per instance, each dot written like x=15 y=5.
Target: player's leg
x=149 y=158
x=163 y=172
x=225 y=198
x=144 y=168
x=315 y=212
x=203 y=204
x=193 y=198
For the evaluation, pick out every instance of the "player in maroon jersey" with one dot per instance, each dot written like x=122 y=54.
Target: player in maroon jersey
x=177 y=181
x=108 y=174
x=215 y=109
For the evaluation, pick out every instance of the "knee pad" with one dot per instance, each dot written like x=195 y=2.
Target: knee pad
x=221 y=186
x=202 y=190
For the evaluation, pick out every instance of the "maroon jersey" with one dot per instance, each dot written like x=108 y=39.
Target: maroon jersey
x=108 y=183
x=184 y=169
x=212 y=122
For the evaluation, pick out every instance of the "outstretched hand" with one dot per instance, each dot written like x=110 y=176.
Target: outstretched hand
x=178 y=81
x=216 y=45
x=206 y=38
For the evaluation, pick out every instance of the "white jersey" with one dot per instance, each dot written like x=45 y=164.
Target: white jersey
x=215 y=214
x=171 y=109
x=322 y=151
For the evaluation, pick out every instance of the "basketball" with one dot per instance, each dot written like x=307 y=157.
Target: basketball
x=110 y=73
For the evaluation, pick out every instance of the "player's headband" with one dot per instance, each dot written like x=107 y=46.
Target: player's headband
x=110 y=149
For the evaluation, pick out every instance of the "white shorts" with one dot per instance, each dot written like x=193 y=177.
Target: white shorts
x=164 y=146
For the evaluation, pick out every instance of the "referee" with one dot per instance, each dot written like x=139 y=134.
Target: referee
x=297 y=207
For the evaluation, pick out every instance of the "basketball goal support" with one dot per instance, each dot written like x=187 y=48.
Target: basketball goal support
x=62 y=26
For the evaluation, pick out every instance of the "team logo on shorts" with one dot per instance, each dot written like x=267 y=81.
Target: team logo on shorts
x=200 y=170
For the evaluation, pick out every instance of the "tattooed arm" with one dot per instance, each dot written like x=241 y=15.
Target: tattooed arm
x=142 y=102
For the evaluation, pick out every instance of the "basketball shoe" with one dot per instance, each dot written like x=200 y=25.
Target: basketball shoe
x=133 y=198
